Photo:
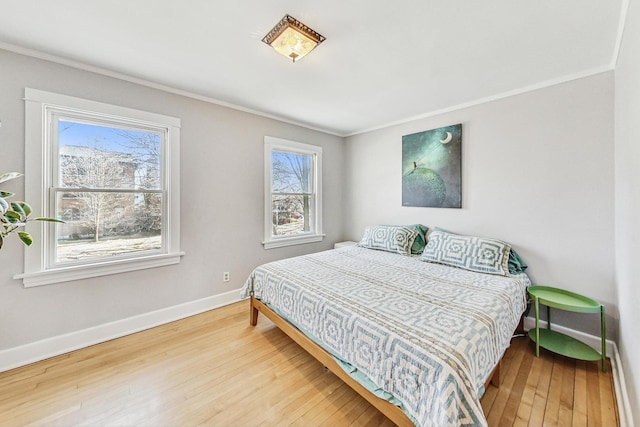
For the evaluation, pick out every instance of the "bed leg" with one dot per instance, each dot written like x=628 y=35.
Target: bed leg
x=495 y=379
x=253 y=314
x=520 y=328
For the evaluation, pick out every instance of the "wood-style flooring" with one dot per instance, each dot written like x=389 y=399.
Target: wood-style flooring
x=215 y=369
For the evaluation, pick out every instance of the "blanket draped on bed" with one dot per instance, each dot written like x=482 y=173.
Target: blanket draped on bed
x=428 y=334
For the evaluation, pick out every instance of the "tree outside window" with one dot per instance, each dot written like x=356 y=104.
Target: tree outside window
x=291 y=192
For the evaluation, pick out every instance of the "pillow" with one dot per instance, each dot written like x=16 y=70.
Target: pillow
x=390 y=238
x=421 y=238
x=480 y=254
x=516 y=263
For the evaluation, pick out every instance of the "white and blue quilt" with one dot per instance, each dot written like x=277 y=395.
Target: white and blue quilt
x=427 y=334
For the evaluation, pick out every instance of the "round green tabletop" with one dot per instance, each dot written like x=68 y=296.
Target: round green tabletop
x=565 y=300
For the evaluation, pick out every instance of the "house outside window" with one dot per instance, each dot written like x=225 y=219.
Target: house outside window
x=293 y=193
x=112 y=174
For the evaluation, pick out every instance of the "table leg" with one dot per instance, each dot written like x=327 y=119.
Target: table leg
x=548 y=317
x=537 y=326
x=603 y=334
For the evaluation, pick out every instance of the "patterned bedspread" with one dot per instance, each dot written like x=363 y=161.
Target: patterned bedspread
x=428 y=334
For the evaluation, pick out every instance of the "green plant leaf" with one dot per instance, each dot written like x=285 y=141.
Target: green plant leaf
x=25 y=237
x=12 y=216
x=6 y=194
x=48 y=219
x=1 y=241
x=9 y=176
x=26 y=207
x=4 y=205
x=17 y=208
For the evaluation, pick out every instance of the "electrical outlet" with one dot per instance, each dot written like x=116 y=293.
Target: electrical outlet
x=225 y=276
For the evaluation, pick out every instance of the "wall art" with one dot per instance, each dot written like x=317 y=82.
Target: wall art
x=432 y=168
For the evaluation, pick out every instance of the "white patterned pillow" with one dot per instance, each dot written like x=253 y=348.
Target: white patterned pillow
x=390 y=238
x=479 y=254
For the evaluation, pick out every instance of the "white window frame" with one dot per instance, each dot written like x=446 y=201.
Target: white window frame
x=39 y=167
x=315 y=234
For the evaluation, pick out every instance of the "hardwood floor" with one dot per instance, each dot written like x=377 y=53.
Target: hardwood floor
x=215 y=369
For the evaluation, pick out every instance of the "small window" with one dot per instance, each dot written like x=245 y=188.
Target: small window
x=112 y=174
x=293 y=193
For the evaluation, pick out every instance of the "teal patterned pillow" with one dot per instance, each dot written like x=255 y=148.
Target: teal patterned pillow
x=479 y=254
x=390 y=238
x=421 y=238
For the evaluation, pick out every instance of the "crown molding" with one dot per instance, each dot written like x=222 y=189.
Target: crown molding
x=519 y=91
x=151 y=84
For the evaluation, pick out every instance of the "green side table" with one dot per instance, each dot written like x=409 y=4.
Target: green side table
x=556 y=341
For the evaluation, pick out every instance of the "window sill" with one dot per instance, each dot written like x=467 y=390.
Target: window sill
x=289 y=241
x=68 y=274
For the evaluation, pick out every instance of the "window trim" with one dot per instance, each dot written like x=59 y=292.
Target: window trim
x=38 y=180
x=316 y=235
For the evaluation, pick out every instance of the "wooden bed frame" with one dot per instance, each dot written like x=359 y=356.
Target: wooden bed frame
x=391 y=411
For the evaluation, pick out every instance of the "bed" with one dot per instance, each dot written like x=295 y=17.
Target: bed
x=419 y=340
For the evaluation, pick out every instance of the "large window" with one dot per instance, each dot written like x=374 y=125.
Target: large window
x=111 y=174
x=293 y=193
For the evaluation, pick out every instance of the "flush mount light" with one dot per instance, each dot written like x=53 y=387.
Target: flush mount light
x=292 y=38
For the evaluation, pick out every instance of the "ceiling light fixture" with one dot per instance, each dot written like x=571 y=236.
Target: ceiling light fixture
x=293 y=39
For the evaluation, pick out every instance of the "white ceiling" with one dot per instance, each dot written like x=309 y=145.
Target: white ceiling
x=383 y=61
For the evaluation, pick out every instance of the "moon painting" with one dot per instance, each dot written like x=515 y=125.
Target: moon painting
x=431 y=168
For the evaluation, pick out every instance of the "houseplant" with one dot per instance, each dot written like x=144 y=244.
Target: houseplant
x=14 y=215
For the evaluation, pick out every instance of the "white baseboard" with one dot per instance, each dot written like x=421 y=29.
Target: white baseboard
x=33 y=352
x=624 y=407
x=622 y=397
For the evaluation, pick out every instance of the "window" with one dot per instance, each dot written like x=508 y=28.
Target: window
x=293 y=193
x=112 y=174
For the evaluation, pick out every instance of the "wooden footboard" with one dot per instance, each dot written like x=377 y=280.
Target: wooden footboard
x=390 y=410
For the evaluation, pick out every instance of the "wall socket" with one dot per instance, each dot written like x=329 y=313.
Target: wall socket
x=225 y=276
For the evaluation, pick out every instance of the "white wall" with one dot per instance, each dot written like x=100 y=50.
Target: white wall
x=627 y=157
x=537 y=171
x=222 y=205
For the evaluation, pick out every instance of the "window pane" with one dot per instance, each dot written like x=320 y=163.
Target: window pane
x=102 y=224
x=99 y=156
x=290 y=214
x=291 y=172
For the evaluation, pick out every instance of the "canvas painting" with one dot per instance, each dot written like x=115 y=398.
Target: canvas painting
x=431 y=168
